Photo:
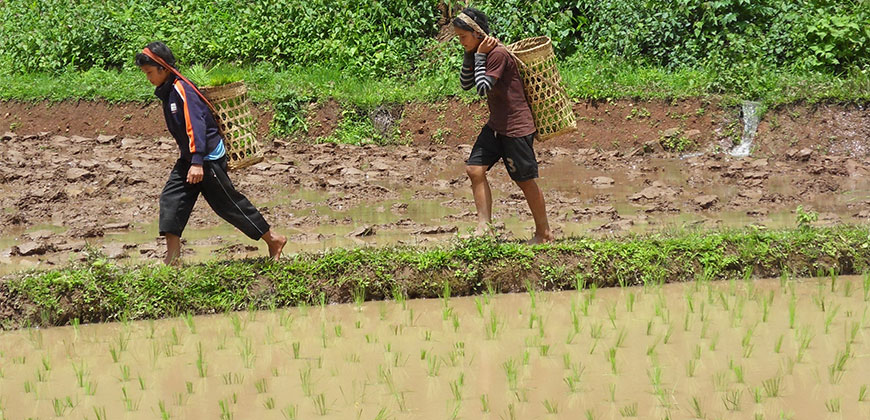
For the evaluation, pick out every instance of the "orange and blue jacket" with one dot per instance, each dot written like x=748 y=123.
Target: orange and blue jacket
x=189 y=120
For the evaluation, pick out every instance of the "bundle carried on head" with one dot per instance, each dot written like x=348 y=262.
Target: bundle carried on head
x=542 y=83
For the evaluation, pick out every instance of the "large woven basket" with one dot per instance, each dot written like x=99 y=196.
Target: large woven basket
x=232 y=110
x=551 y=108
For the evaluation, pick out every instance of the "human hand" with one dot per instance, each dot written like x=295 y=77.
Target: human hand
x=487 y=45
x=194 y=174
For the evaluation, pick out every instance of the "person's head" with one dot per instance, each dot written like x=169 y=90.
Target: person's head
x=466 y=34
x=155 y=72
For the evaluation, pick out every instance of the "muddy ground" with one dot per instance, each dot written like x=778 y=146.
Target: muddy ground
x=73 y=174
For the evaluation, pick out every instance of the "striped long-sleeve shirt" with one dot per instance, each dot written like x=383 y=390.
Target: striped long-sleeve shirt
x=473 y=73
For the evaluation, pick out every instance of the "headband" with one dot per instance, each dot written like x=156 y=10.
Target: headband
x=174 y=71
x=470 y=22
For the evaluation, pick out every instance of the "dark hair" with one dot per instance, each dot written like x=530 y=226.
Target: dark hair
x=159 y=49
x=476 y=15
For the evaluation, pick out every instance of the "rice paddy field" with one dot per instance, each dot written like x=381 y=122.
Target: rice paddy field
x=743 y=349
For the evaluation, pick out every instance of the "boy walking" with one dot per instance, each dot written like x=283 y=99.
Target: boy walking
x=510 y=132
x=202 y=166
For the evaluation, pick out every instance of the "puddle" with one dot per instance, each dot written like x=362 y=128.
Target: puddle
x=729 y=350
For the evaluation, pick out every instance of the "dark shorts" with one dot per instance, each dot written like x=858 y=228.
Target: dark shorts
x=518 y=154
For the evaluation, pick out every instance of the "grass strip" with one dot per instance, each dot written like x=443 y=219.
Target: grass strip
x=585 y=78
x=99 y=290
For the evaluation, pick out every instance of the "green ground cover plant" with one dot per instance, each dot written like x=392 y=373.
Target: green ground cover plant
x=100 y=290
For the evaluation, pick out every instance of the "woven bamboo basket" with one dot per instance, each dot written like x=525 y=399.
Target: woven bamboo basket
x=551 y=108
x=232 y=110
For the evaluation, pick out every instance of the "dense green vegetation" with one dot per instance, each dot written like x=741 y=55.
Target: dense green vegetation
x=365 y=53
x=100 y=290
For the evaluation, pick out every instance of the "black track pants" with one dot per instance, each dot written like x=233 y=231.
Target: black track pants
x=178 y=198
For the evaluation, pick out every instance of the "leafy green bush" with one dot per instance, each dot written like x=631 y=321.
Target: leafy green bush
x=737 y=40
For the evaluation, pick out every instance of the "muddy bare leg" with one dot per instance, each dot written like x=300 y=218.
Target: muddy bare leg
x=276 y=243
x=173 y=249
x=535 y=198
x=482 y=197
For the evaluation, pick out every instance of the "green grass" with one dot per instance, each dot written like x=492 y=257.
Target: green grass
x=106 y=291
x=585 y=77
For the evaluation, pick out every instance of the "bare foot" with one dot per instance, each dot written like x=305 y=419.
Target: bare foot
x=541 y=238
x=276 y=244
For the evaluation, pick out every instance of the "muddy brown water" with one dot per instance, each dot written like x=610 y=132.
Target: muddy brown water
x=729 y=350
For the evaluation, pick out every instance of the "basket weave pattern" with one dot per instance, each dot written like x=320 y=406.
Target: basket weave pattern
x=543 y=86
x=232 y=110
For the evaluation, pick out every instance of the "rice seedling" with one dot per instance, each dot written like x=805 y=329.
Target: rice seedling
x=612 y=388
x=552 y=407
x=164 y=413
x=590 y=414
x=833 y=405
x=320 y=404
x=611 y=359
x=852 y=331
x=651 y=349
x=484 y=403
x=59 y=407
x=738 y=373
x=296 y=345
x=478 y=303
x=492 y=326
x=434 y=365
x=260 y=386
x=686 y=321
x=231 y=378
x=246 y=352
x=544 y=350
x=188 y=320
x=720 y=381
x=269 y=403
x=731 y=399
x=41 y=375
x=80 y=371
x=866 y=284
x=829 y=318
x=574 y=377
x=201 y=365
x=777 y=345
x=714 y=341
x=114 y=353
x=772 y=386
x=611 y=314
x=655 y=376
x=305 y=380
x=526 y=357
x=595 y=331
x=289 y=412
x=862 y=393
x=691 y=365
x=189 y=387
x=838 y=368
x=629 y=410
x=757 y=395
x=649 y=325
x=100 y=413
x=129 y=404
x=29 y=387
x=456 y=387
x=511 y=370
x=668 y=333
x=224 y=406
x=695 y=405
x=792 y=311
x=90 y=388
x=696 y=352
x=620 y=338
x=141 y=382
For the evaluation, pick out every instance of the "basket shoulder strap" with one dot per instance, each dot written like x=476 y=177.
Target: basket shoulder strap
x=178 y=74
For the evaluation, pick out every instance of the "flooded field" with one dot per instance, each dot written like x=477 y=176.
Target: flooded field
x=771 y=349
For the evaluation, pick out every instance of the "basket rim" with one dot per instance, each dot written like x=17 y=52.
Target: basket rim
x=226 y=86
x=538 y=46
